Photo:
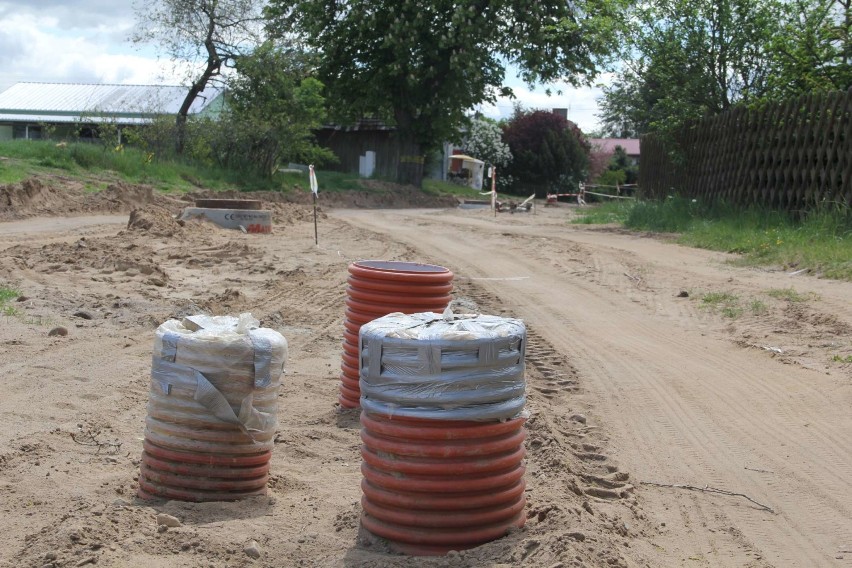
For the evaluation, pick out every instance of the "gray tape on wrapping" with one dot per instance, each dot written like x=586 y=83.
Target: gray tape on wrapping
x=170 y=345
x=454 y=376
x=210 y=398
x=374 y=357
x=262 y=360
x=249 y=420
x=167 y=374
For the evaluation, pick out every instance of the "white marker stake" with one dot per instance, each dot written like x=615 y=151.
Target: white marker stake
x=315 y=190
x=494 y=189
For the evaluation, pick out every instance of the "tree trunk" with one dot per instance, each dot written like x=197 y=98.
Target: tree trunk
x=410 y=167
x=214 y=66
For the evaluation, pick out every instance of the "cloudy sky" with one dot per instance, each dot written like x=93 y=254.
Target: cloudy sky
x=85 y=41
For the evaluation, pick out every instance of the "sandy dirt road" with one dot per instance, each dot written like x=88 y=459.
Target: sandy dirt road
x=670 y=391
x=685 y=399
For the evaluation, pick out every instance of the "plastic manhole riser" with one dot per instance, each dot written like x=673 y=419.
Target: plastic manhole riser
x=442 y=426
x=377 y=288
x=205 y=439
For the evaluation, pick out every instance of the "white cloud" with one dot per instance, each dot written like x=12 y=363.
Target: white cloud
x=79 y=14
x=86 y=41
x=41 y=50
x=581 y=102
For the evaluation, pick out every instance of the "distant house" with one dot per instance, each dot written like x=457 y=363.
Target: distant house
x=607 y=146
x=26 y=109
x=371 y=140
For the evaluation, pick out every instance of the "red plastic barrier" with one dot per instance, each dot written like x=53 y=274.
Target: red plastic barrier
x=432 y=486
x=377 y=288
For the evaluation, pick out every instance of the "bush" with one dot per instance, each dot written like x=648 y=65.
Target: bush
x=549 y=152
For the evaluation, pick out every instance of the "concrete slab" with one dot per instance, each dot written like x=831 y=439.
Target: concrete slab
x=249 y=221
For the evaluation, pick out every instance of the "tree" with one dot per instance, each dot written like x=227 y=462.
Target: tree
x=619 y=171
x=549 y=152
x=484 y=140
x=422 y=65
x=814 y=50
x=275 y=104
x=207 y=34
x=688 y=58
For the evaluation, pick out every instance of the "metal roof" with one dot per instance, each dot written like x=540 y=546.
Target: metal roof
x=67 y=102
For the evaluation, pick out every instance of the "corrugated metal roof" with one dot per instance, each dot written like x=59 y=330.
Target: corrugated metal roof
x=64 y=102
x=68 y=119
x=630 y=145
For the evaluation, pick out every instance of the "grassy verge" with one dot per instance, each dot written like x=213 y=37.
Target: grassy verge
x=732 y=306
x=820 y=241
x=615 y=211
x=20 y=159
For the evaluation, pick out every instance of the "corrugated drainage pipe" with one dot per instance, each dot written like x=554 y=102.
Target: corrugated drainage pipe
x=433 y=486
x=379 y=287
x=212 y=409
x=442 y=420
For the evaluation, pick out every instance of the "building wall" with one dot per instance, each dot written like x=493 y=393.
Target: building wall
x=349 y=145
x=5 y=131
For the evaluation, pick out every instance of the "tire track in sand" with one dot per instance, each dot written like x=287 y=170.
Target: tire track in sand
x=682 y=409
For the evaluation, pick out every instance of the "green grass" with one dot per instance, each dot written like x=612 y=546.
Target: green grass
x=842 y=359
x=12 y=171
x=820 y=240
x=438 y=187
x=790 y=295
x=24 y=158
x=730 y=305
x=758 y=308
x=724 y=303
x=326 y=181
x=8 y=294
x=615 y=211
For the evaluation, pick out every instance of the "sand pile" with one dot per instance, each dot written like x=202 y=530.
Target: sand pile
x=30 y=197
x=50 y=196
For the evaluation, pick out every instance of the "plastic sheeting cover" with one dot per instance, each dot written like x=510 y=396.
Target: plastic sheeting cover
x=443 y=367
x=228 y=365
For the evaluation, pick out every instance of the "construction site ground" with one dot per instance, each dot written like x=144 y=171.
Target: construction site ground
x=664 y=430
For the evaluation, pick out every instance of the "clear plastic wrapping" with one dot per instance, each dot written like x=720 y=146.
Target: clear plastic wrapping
x=443 y=367
x=214 y=384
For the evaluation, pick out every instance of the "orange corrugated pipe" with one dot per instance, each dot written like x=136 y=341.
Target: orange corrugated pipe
x=380 y=287
x=431 y=486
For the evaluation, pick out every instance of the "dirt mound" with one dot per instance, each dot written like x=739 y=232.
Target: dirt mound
x=154 y=221
x=28 y=198
x=122 y=197
x=291 y=213
x=377 y=194
x=52 y=196
x=157 y=221
x=106 y=258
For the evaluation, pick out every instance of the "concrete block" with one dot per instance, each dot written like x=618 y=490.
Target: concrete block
x=251 y=221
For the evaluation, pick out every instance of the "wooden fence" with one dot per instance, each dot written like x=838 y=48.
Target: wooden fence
x=793 y=155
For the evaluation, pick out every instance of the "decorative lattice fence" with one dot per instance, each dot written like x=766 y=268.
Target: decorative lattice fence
x=793 y=155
